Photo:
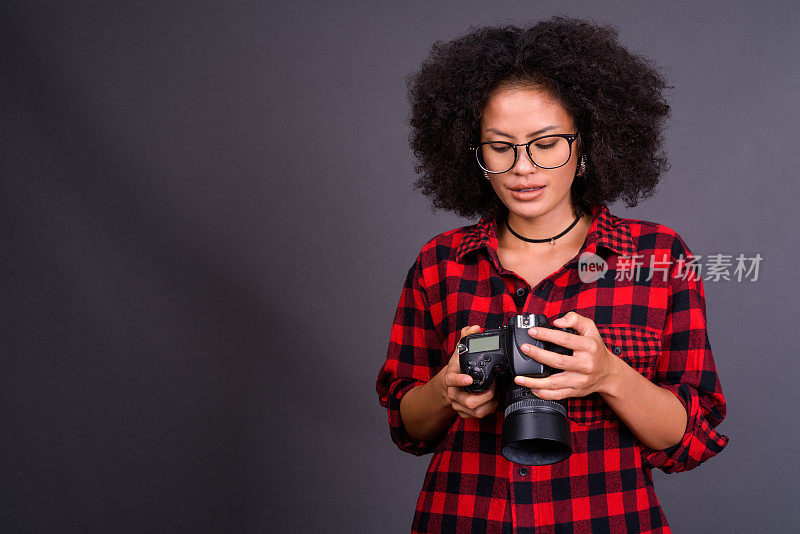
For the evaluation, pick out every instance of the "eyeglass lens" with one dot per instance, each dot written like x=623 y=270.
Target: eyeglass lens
x=548 y=152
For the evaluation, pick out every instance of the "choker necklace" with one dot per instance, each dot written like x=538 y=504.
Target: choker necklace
x=552 y=240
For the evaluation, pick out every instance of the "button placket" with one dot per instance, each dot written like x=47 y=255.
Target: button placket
x=520 y=296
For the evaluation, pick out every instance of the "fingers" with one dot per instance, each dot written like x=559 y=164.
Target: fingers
x=472 y=400
x=555 y=394
x=583 y=325
x=573 y=382
x=555 y=360
x=454 y=366
x=478 y=412
x=467 y=405
x=563 y=339
x=554 y=387
x=470 y=405
x=467 y=330
x=471 y=329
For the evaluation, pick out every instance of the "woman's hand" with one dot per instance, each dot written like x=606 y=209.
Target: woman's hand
x=591 y=368
x=467 y=405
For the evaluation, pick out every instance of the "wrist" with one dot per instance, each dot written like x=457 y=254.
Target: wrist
x=440 y=387
x=612 y=384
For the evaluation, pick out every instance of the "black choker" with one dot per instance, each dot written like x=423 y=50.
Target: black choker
x=552 y=240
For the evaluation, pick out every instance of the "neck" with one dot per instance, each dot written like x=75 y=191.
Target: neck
x=544 y=226
x=539 y=228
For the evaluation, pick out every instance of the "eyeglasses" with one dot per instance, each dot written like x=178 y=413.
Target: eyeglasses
x=546 y=152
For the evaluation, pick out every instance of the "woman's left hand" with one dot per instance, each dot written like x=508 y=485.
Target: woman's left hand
x=591 y=368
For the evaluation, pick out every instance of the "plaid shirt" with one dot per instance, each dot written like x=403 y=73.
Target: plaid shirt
x=657 y=326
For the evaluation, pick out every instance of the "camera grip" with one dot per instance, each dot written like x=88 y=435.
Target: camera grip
x=480 y=369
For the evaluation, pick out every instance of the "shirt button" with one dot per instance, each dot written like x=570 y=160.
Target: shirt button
x=523 y=472
x=521 y=292
x=616 y=350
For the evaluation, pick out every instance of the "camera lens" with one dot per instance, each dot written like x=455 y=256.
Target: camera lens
x=535 y=431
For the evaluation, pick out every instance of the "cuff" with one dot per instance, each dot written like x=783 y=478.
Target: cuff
x=396 y=428
x=699 y=443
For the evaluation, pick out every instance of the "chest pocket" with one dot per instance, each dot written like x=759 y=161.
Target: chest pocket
x=638 y=347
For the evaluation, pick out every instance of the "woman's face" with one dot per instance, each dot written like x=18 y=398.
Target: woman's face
x=518 y=115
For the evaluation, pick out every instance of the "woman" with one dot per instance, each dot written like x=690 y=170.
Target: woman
x=537 y=130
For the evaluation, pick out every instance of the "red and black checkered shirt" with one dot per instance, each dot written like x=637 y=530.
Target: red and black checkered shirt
x=655 y=320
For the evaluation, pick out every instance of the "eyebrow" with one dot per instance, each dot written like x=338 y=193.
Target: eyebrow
x=532 y=134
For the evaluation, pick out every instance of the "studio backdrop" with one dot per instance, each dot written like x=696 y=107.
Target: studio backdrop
x=208 y=215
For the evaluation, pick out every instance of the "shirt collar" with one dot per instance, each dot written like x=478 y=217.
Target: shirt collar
x=605 y=231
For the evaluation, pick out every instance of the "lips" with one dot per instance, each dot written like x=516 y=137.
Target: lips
x=526 y=192
x=530 y=187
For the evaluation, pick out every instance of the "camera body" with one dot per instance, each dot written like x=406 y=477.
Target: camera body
x=535 y=431
x=496 y=354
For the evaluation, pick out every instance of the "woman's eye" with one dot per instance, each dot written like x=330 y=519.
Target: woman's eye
x=500 y=148
x=545 y=147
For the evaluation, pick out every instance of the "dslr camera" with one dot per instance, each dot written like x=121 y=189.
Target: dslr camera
x=535 y=431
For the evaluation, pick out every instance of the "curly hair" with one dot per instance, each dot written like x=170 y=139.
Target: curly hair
x=614 y=96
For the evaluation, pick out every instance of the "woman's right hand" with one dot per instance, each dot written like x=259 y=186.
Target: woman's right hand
x=467 y=405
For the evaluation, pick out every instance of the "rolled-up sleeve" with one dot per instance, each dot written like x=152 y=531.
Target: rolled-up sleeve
x=415 y=355
x=686 y=368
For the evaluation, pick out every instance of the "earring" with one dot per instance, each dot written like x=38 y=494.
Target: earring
x=486 y=175
x=582 y=167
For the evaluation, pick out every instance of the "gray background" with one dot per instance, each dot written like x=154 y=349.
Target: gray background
x=208 y=216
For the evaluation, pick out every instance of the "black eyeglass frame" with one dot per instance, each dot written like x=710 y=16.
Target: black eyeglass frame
x=569 y=137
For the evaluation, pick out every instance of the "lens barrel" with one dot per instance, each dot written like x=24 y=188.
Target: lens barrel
x=535 y=431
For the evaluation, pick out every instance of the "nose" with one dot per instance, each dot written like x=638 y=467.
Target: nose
x=524 y=164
